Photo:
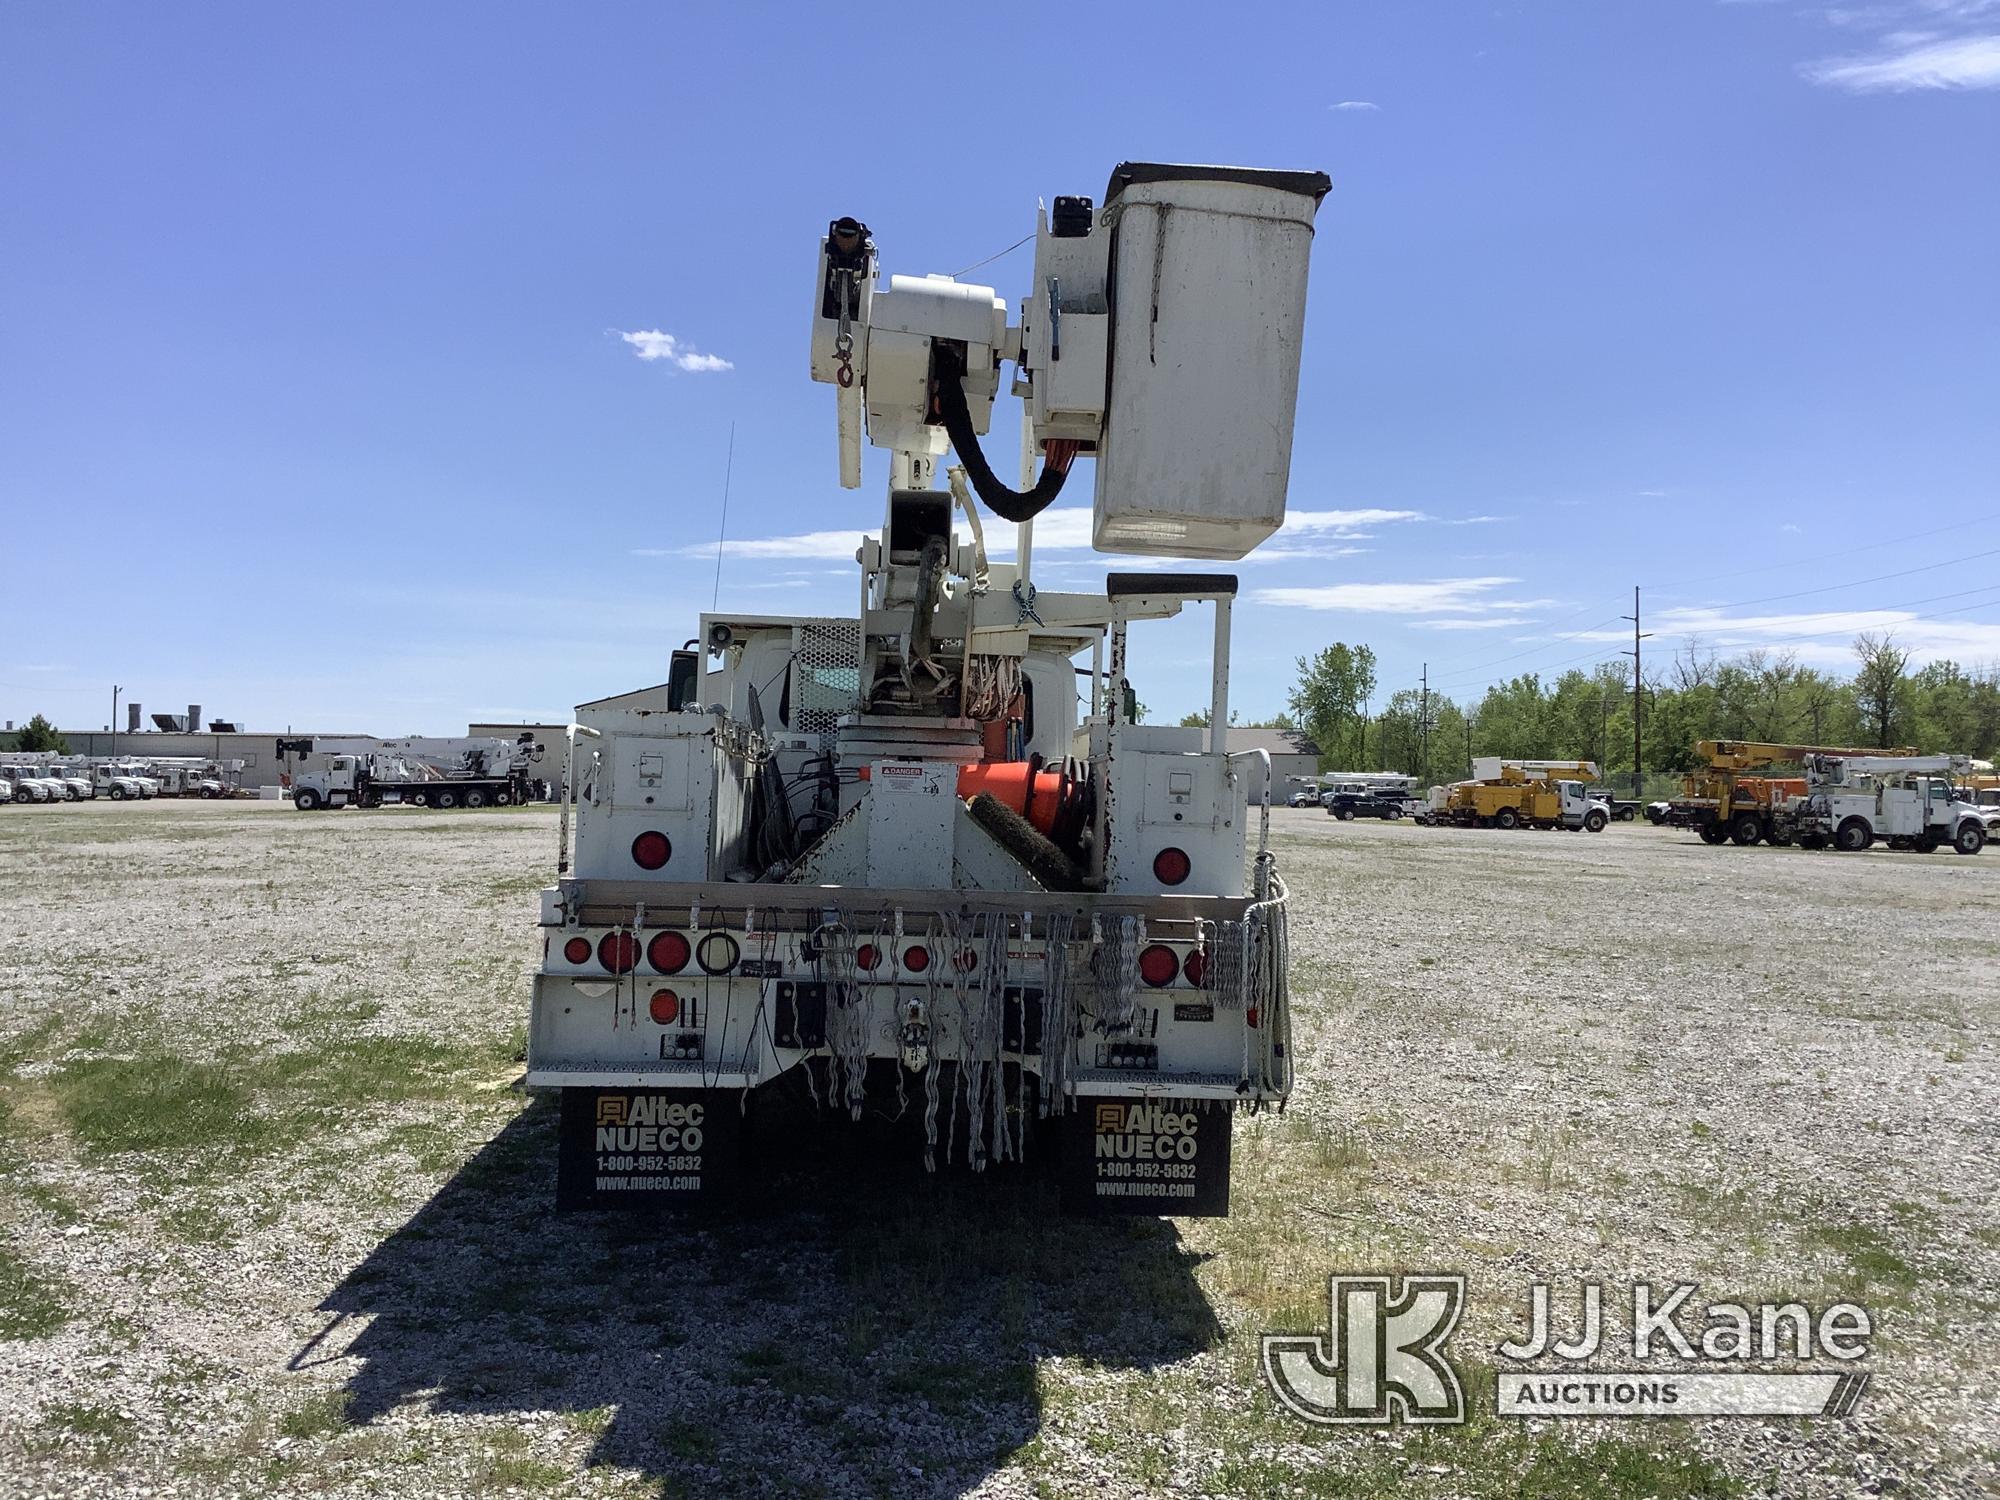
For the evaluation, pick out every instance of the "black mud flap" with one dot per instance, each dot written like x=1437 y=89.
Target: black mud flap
x=1147 y=1156
x=647 y=1148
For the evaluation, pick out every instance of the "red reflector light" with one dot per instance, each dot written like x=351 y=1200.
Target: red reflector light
x=665 y=1006
x=717 y=953
x=1250 y=1016
x=1172 y=866
x=668 y=953
x=1196 y=967
x=577 y=950
x=966 y=961
x=868 y=957
x=916 y=958
x=1157 y=965
x=650 y=851
x=618 y=952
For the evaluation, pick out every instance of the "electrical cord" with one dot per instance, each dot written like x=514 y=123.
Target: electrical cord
x=1008 y=504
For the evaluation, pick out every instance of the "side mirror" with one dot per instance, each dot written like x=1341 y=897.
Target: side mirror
x=683 y=678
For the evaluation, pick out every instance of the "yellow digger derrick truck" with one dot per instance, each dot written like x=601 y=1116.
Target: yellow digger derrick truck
x=1727 y=803
x=1527 y=794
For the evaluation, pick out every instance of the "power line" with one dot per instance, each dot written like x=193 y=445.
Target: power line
x=1458 y=677
x=1950 y=562
x=1752 y=643
x=1793 y=562
x=996 y=255
x=1534 y=650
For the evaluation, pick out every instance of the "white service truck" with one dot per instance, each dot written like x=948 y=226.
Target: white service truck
x=878 y=861
x=1905 y=801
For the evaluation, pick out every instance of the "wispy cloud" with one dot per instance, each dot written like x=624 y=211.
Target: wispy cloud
x=1964 y=62
x=1361 y=104
x=1491 y=622
x=1436 y=596
x=1067 y=528
x=1345 y=523
x=651 y=344
x=1917 y=45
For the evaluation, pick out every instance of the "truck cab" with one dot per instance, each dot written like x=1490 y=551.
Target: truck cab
x=335 y=786
x=116 y=784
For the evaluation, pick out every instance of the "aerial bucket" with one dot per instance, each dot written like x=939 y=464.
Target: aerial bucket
x=1208 y=308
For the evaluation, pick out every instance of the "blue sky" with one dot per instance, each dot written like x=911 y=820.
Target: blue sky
x=315 y=408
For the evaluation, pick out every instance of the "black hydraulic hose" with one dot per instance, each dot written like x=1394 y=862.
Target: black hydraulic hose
x=1007 y=504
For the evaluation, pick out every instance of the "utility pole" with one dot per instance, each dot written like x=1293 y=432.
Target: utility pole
x=1424 y=726
x=114 y=720
x=1634 y=654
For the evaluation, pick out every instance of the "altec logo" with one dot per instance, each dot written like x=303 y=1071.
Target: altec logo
x=1145 y=1132
x=1385 y=1361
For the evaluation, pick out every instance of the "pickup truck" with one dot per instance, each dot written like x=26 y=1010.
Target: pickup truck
x=1622 y=811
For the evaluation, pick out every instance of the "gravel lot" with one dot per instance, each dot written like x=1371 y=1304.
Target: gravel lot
x=275 y=1219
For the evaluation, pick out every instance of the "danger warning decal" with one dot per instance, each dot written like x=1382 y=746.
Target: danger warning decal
x=1147 y=1156
x=633 y=1148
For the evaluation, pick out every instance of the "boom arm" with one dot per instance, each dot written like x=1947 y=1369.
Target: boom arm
x=1753 y=755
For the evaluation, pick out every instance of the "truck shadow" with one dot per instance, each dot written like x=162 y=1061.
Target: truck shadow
x=854 y=1326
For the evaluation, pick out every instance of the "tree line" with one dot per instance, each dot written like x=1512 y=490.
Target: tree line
x=1697 y=695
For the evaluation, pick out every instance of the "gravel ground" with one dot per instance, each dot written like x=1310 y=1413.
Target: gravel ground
x=274 y=1217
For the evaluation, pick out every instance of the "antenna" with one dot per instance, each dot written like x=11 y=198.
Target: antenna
x=728 y=468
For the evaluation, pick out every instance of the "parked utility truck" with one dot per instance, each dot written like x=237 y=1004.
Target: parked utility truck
x=1726 y=803
x=442 y=773
x=1522 y=794
x=875 y=862
x=1907 y=801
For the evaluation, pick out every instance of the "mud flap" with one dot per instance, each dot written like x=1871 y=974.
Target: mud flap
x=647 y=1148
x=1147 y=1156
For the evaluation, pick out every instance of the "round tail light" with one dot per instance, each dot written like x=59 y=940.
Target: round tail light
x=668 y=952
x=1157 y=965
x=868 y=957
x=577 y=950
x=618 y=952
x=1250 y=1017
x=966 y=961
x=1172 y=866
x=651 y=850
x=717 y=953
x=665 y=1007
x=916 y=958
x=1196 y=967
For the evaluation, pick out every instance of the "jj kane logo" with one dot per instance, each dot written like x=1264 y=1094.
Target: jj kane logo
x=1384 y=1358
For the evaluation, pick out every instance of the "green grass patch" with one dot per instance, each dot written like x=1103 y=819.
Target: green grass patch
x=248 y=1103
x=155 y=1104
x=33 y=1305
x=320 y=1416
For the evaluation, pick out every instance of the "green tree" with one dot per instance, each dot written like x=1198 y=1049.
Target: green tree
x=1880 y=688
x=39 y=734
x=1331 y=698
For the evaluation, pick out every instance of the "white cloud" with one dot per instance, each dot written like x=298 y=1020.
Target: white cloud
x=1485 y=623
x=1964 y=62
x=824 y=545
x=651 y=344
x=1815 y=637
x=1067 y=528
x=1468 y=596
x=1346 y=522
x=1361 y=104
